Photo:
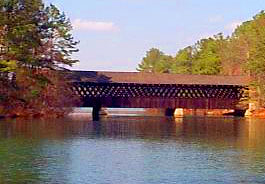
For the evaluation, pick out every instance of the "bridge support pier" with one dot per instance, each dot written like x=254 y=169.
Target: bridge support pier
x=95 y=111
x=169 y=112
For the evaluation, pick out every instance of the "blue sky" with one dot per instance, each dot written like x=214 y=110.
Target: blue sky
x=114 y=35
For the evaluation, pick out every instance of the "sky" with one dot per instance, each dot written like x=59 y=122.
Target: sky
x=115 y=35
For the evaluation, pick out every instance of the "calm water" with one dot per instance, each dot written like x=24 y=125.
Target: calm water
x=133 y=150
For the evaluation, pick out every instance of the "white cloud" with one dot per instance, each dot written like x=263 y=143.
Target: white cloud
x=233 y=25
x=86 y=25
x=216 y=19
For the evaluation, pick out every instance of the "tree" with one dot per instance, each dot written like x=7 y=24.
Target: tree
x=36 y=36
x=35 y=41
x=254 y=32
x=207 y=56
x=244 y=53
x=234 y=55
x=155 y=61
x=183 y=61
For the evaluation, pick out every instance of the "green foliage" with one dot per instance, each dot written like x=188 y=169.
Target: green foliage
x=19 y=25
x=207 y=56
x=183 y=61
x=57 y=28
x=202 y=58
x=36 y=36
x=155 y=61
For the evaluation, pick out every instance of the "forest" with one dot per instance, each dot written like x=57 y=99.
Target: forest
x=241 y=53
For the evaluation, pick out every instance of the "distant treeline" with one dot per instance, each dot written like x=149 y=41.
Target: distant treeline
x=242 y=53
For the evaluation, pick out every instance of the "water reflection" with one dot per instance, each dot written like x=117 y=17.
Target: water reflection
x=83 y=151
x=247 y=133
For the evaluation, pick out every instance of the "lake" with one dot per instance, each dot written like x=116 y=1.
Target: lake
x=133 y=150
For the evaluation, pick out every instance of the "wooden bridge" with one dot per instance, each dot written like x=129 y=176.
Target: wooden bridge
x=149 y=90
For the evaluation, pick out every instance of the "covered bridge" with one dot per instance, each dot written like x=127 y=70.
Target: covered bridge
x=150 y=90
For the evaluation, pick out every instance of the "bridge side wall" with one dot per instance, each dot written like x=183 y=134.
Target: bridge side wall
x=158 y=96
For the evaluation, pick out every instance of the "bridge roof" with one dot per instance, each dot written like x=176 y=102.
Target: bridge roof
x=154 y=78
